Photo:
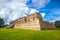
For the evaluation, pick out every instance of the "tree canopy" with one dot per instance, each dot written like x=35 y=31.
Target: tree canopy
x=57 y=23
x=1 y=22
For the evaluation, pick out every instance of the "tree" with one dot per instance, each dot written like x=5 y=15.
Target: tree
x=1 y=22
x=57 y=24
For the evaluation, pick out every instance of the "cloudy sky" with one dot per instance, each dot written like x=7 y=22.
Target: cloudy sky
x=13 y=9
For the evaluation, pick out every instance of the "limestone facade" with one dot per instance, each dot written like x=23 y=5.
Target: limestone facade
x=32 y=22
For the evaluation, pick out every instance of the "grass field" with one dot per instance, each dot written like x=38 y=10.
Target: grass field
x=19 y=34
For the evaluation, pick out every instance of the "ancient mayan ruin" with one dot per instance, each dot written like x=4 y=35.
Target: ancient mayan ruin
x=33 y=22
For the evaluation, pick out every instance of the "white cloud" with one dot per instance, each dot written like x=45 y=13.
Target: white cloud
x=11 y=10
x=39 y=3
x=43 y=14
x=20 y=1
x=33 y=11
x=24 y=15
x=4 y=12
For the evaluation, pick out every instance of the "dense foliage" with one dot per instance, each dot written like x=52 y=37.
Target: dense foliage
x=1 y=23
x=57 y=24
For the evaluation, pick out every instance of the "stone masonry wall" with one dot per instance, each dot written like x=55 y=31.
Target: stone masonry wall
x=32 y=25
x=47 y=25
x=33 y=22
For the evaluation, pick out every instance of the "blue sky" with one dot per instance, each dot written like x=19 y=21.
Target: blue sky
x=13 y=9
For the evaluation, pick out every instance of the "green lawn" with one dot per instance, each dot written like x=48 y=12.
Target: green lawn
x=19 y=34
